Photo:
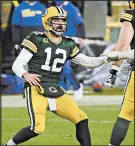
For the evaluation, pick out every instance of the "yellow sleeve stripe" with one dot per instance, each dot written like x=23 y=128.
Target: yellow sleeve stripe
x=126 y=16
x=75 y=51
x=30 y=45
x=129 y=19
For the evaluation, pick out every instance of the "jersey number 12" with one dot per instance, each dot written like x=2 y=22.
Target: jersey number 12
x=54 y=67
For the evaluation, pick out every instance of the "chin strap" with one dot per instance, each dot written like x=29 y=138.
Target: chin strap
x=55 y=33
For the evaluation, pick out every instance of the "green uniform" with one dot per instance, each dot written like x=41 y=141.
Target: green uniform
x=48 y=58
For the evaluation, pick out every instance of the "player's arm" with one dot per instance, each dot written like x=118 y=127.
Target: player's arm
x=88 y=62
x=83 y=60
x=125 y=37
x=18 y=68
x=126 y=33
x=116 y=55
x=22 y=59
x=28 y=51
x=126 y=55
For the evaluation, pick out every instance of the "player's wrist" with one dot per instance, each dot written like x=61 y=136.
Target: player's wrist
x=24 y=74
x=113 y=72
x=114 y=69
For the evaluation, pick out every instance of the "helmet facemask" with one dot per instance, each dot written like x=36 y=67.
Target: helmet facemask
x=58 y=25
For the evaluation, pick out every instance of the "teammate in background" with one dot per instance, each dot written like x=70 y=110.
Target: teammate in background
x=126 y=39
x=26 y=18
x=45 y=53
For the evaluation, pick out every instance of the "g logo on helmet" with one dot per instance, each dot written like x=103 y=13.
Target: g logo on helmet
x=45 y=13
x=53 y=89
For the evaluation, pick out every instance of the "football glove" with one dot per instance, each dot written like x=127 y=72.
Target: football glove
x=111 y=78
x=111 y=56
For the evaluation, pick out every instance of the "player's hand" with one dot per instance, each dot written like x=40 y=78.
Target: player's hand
x=111 y=56
x=111 y=78
x=32 y=79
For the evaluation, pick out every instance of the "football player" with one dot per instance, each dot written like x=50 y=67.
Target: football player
x=126 y=39
x=45 y=54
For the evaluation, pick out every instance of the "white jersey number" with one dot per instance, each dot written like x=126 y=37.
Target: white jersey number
x=54 y=68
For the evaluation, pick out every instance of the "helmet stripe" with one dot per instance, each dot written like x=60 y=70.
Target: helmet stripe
x=59 y=10
x=62 y=10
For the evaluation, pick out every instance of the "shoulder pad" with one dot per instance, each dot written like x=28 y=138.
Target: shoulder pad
x=38 y=33
x=30 y=42
x=68 y=37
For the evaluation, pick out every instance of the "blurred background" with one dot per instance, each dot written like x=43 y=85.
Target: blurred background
x=100 y=33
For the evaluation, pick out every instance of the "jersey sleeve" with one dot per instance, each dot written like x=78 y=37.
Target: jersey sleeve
x=126 y=15
x=74 y=50
x=30 y=43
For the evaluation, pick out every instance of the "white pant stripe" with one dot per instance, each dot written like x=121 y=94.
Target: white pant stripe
x=29 y=108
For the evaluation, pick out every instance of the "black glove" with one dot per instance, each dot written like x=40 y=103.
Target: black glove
x=111 y=78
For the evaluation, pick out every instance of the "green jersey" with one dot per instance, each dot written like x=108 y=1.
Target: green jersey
x=48 y=58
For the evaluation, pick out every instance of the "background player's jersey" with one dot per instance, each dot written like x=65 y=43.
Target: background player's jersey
x=129 y=15
x=48 y=58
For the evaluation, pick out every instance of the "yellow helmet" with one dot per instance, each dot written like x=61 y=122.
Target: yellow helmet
x=53 y=12
x=131 y=4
